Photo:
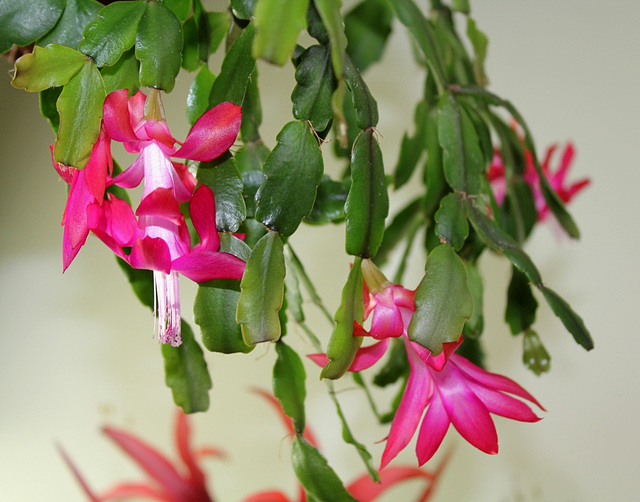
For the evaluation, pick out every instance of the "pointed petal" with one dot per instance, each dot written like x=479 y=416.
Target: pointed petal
x=117 y=119
x=202 y=266
x=100 y=163
x=433 y=429
x=128 y=490
x=203 y=215
x=158 y=130
x=183 y=445
x=492 y=380
x=369 y=355
x=150 y=460
x=78 y=475
x=131 y=176
x=414 y=400
x=467 y=413
x=212 y=134
x=503 y=404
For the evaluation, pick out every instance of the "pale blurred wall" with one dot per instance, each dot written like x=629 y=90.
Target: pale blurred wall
x=77 y=351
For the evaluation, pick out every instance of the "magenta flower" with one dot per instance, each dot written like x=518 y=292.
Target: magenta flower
x=161 y=241
x=451 y=389
x=86 y=189
x=557 y=178
x=167 y=482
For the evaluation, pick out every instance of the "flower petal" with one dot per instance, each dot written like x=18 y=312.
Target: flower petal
x=212 y=134
x=414 y=400
x=364 y=489
x=466 y=411
x=369 y=355
x=503 y=404
x=161 y=203
x=268 y=496
x=203 y=215
x=152 y=254
x=202 y=266
x=117 y=118
x=433 y=429
x=183 y=445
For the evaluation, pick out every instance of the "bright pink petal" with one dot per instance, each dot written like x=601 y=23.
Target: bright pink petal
x=414 y=400
x=161 y=203
x=76 y=473
x=158 y=130
x=187 y=179
x=116 y=116
x=127 y=490
x=492 y=380
x=212 y=134
x=100 y=163
x=152 y=254
x=503 y=404
x=203 y=216
x=205 y=265
x=433 y=429
x=369 y=355
x=131 y=176
x=151 y=461
x=466 y=411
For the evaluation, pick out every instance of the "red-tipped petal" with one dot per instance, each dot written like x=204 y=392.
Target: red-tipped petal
x=151 y=254
x=433 y=429
x=212 y=134
x=203 y=215
x=161 y=202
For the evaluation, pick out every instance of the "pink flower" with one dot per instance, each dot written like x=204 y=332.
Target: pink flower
x=161 y=241
x=167 y=482
x=86 y=189
x=557 y=178
x=451 y=389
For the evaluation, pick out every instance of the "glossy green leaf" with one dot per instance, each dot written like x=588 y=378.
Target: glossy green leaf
x=278 y=25
x=329 y=11
x=315 y=26
x=499 y=240
x=199 y=91
x=159 y=47
x=186 y=373
x=422 y=31
x=433 y=168
x=219 y=23
x=479 y=42
x=329 y=204
x=24 y=22
x=315 y=474
x=75 y=17
x=366 y=107
x=222 y=176
x=237 y=67
x=443 y=301
x=123 y=74
x=475 y=324
x=243 y=9
x=462 y=156
x=534 y=355
x=315 y=85
x=367 y=28
x=252 y=181
x=141 y=281
x=572 y=321
x=190 y=45
x=251 y=111
x=112 y=32
x=289 y=384
x=180 y=8
x=293 y=170
x=251 y=156
x=262 y=291
x=367 y=204
x=451 y=221
x=52 y=66
x=214 y=310
x=342 y=346
x=48 y=110
x=79 y=131
x=520 y=313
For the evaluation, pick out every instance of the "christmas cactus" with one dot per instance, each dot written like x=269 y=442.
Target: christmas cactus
x=222 y=207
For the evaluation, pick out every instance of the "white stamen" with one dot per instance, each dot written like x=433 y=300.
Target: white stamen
x=167 y=307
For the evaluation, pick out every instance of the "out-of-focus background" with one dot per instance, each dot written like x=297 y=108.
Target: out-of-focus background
x=76 y=350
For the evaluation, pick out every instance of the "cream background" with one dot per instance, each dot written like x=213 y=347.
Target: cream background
x=77 y=351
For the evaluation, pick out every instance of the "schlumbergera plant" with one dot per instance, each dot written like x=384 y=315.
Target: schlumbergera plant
x=220 y=207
